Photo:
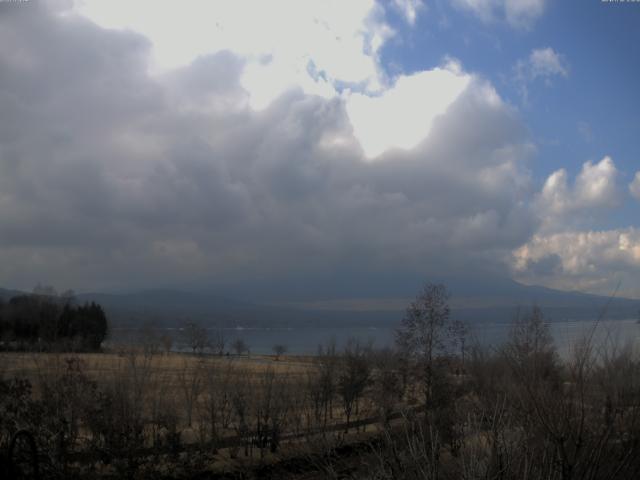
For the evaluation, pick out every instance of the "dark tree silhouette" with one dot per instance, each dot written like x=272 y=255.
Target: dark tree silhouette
x=425 y=333
x=47 y=321
x=279 y=350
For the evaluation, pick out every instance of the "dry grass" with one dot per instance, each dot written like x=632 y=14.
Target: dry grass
x=163 y=379
x=96 y=365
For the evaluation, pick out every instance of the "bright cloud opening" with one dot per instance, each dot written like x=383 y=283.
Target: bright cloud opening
x=338 y=38
x=402 y=116
x=316 y=46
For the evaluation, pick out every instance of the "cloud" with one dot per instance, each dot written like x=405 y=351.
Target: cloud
x=409 y=9
x=520 y=14
x=583 y=260
x=596 y=184
x=595 y=189
x=542 y=64
x=312 y=44
x=114 y=175
x=546 y=63
x=403 y=115
x=568 y=252
x=634 y=186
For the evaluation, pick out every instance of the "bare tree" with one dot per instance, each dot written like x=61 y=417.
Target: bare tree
x=425 y=334
x=167 y=342
x=149 y=339
x=387 y=390
x=190 y=380
x=215 y=409
x=239 y=346
x=460 y=334
x=327 y=361
x=530 y=349
x=261 y=408
x=279 y=350
x=218 y=341
x=195 y=337
x=241 y=399
x=355 y=375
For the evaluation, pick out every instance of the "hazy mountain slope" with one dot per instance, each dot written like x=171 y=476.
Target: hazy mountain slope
x=498 y=300
x=471 y=301
x=6 y=294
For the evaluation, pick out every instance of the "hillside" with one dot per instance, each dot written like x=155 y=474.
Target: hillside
x=471 y=301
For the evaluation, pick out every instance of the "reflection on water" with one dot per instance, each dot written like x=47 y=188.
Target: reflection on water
x=305 y=340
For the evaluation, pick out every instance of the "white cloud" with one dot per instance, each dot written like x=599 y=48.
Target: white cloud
x=634 y=186
x=409 y=9
x=316 y=46
x=555 y=196
x=518 y=13
x=267 y=81
x=585 y=252
x=542 y=64
x=338 y=40
x=583 y=260
x=402 y=116
x=567 y=252
x=595 y=188
x=596 y=185
x=545 y=62
x=523 y=13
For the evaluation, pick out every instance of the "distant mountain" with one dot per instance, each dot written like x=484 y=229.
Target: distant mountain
x=500 y=300
x=6 y=294
x=497 y=300
x=506 y=292
x=174 y=307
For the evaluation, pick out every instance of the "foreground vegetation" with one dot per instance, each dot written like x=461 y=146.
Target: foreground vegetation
x=435 y=407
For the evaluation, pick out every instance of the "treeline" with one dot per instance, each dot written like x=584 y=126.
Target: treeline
x=51 y=322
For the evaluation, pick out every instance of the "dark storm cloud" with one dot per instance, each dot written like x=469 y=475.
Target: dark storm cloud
x=111 y=176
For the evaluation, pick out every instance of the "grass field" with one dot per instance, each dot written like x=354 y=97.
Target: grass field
x=219 y=404
x=97 y=365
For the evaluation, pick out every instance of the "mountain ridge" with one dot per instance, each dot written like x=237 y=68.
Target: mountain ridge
x=472 y=302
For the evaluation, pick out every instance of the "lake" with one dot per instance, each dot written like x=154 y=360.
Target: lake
x=305 y=340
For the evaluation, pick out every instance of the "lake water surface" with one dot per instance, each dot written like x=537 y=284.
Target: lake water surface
x=305 y=340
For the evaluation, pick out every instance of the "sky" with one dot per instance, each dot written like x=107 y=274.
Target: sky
x=319 y=149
